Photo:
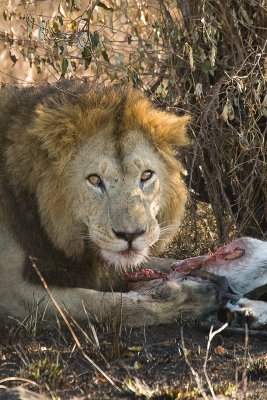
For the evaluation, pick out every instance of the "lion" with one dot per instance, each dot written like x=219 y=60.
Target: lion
x=90 y=186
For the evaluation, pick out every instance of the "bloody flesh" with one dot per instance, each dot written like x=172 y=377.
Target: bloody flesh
x=145 y=274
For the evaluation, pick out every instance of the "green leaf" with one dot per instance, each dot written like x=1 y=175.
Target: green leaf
x=208 y=68
x=5 y=15
x=55 y=26
x=95 y=39
x=60 y=20
x=64 y=66
x=76 y=4
x=87 y=56
x=105 y=56
x=62 y=48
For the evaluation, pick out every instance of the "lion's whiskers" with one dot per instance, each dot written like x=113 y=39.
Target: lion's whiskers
x=167 y=229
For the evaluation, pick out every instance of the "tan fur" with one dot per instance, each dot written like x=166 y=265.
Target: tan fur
x=52 y=139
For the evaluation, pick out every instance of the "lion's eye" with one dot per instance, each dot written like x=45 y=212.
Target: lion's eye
x=94 y=180
x=146 y=175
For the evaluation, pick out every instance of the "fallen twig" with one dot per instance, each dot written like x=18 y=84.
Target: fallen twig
x=211 y=336
x=206 y=325
x=193 y=371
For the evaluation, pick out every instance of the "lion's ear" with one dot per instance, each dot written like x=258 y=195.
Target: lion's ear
x=61 y=126
x=163 y=127
x=55 y=129
x=169 y=129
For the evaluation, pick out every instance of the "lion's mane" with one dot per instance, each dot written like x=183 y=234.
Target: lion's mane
x=41 y=131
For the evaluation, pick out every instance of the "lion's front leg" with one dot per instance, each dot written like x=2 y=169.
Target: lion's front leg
x=170 y=300
x=160 y=303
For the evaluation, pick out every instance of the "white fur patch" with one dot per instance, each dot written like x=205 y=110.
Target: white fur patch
x=247 y=272
x=124 y=261
x=255 y=309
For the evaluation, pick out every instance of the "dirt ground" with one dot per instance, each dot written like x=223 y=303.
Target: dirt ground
x=163 y=362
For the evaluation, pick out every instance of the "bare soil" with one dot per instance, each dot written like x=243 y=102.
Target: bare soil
x=147 y=363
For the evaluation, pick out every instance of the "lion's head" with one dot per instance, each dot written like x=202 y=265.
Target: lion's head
x=106 y=175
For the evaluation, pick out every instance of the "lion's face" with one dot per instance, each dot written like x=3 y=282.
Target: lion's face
x=117 y=195
x=106 y=177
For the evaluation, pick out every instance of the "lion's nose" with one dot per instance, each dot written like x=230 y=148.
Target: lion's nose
x=129 y=236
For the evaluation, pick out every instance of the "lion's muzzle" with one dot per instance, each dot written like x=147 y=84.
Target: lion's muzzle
x=129 y=237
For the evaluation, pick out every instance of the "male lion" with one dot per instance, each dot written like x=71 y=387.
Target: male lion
x=89 y=183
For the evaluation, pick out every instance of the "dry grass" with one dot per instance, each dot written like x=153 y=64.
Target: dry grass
x=151 y=365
